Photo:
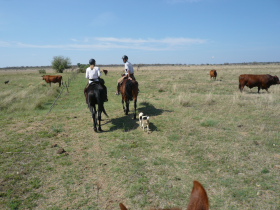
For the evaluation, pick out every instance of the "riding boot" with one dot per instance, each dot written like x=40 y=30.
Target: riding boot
x=106 y=98
x=106 y=95
x=118 y=89
x=85 y=92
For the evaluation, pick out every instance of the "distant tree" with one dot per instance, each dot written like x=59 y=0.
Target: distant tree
x=82 y=68
x=42 y=71
x=60 y=63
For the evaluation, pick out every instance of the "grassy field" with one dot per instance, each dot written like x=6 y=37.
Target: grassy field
x=201 y=129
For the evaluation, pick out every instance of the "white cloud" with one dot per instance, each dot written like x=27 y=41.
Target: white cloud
x=106 y=43
x=4 y=44
x=171 y=41
x=143 y=44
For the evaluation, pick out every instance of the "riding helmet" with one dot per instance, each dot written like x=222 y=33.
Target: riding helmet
x=92 y=62
x=125 y=57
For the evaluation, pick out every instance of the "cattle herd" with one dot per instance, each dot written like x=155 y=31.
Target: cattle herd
x=198 y=199
x=262 y=81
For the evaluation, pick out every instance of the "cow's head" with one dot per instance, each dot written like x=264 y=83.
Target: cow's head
x=276 y=80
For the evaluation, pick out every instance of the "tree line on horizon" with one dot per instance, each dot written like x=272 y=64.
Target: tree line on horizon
x=61 y=63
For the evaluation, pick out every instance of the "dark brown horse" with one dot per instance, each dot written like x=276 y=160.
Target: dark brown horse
x=198 y=200
x=95 y=95
x=129 y=90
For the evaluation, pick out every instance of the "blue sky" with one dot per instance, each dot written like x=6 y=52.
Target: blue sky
x=32 y=32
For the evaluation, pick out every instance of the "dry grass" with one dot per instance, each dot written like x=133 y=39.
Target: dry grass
x=201 y=129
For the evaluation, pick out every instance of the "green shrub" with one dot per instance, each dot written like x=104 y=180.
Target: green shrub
x=42 y=71
x=60 y=63
x=82 y=68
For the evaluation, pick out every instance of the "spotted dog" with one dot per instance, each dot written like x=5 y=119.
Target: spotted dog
x=144 y=121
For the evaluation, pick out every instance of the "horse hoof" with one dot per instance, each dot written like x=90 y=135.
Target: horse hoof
x=95 y=129
x=99 y=129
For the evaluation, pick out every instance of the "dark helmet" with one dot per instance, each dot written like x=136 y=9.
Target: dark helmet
x=125 y=57
x=92 y=62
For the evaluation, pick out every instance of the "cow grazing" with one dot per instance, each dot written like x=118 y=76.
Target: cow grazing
x=105 y=71
x=52 y=79
x=213 y=73
x=263 y=81
x=6 y=82
x=198 y=200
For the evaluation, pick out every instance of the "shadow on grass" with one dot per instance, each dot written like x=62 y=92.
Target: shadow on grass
x=150 y=110
x=255 y=93
x=127 y=123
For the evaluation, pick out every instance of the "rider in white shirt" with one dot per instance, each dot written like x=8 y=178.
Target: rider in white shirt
x=129 y=73
x=93 y=74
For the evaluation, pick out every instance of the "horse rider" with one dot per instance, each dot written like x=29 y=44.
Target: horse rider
x=129 y=73
x=93 y=74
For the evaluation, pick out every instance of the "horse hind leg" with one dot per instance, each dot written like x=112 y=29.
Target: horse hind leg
x=99 y=120
x=94 y=118
x=127 y=107
x=135 y=107
x=124 y=109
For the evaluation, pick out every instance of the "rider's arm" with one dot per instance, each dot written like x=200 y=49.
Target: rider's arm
x=98 y=72
x=87 y=75
x=128 y=73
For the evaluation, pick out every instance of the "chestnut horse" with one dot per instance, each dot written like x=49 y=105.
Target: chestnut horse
x=94 y=94
x=129 y=90
x=198 y=200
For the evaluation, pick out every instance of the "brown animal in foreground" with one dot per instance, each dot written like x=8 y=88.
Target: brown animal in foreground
x=263 y=81
x=52 y=79
x=105 y=71
x=198 y=200
x=213 y=73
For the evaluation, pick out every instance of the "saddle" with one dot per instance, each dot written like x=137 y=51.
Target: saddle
x=96 y=83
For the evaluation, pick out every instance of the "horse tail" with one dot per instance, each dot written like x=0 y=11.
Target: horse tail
x=101 y=100
x=103 y=110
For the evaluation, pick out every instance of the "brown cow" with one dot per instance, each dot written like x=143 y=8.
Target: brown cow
x=52 y=79
x=263 y=81
x=105 y=71
x=198 y=200
x=213 y=73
